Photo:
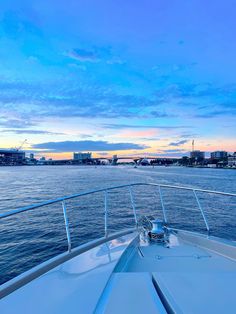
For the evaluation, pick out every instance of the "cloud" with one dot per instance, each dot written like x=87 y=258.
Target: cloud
x=96 y=54
x=188 y=135
x=72 y=146
x=173 y=154
x=216 y=113
x=16 y=123
x=174 y=151
x=191 y=95
x=74 y=99
x=137 y=133
x=185 y=91
x=20 y=131
x=85 y=135
x=63 y=99
x=132 y=126
x=83 y=55
x=158 y=114
x=178 y=143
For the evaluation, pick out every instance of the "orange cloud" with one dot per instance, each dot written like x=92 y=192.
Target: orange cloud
x=137 y=133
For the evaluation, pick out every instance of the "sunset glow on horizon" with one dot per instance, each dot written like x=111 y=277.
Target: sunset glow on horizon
x=117 y=77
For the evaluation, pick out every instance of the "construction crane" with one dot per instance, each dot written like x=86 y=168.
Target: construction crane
x=21 y=146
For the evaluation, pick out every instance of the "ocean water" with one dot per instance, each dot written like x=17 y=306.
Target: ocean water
x=32 y=237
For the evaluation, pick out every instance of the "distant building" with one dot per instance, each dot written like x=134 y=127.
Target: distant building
x=197 y=155
x=114 y=160
x=232 y=160
x=212 y=165
x=11 y=157
x=82 y=156
x=219 y=155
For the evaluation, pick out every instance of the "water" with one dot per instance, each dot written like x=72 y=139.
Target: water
x=30 y=238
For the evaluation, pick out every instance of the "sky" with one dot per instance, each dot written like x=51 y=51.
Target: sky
x=138 y=77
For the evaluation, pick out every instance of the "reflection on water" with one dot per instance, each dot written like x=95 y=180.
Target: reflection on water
x=32 y=237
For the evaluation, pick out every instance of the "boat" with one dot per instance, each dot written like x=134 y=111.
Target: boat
x=151 y=267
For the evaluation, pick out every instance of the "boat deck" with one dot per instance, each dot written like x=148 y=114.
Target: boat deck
x=183 y=277
x=179 y=256
x=192 y=274
x=73 y=287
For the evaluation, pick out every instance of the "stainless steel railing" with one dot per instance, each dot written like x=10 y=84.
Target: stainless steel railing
x=105 y=191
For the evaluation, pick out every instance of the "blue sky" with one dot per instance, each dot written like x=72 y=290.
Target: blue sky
x=126 y=77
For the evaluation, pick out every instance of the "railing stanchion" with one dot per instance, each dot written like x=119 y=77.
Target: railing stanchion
x=66 y=225
x=162 y=205
x=105 y=213
x=202 y=212
x=133 y=206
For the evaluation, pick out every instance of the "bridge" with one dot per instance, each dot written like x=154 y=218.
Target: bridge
x=136 y=159
x=113 y=160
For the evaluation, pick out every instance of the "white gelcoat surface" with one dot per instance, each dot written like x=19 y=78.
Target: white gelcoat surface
x=199 y=293
x=73 y=287
x=131 y=293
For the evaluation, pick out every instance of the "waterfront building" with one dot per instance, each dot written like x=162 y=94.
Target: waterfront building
x=232 y=160
x=219 y=155
x=197 y=155
x=11 y=157
x=82 y=156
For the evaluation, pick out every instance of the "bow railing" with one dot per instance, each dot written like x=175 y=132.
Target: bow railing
x=129 y=187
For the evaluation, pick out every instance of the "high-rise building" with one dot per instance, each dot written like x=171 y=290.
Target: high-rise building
x=219 y=155
x=13 y=156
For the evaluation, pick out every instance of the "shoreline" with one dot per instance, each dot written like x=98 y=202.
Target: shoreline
x=110 y=165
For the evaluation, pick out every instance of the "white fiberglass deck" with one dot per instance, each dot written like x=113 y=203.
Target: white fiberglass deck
x=185 y=277
x=72 y=287
x=191 y=275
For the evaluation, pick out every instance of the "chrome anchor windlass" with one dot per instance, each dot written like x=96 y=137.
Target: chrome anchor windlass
x=158 y=232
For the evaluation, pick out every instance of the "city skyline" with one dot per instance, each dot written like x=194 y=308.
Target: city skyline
x=117 y=77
